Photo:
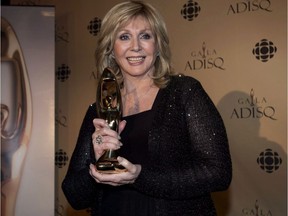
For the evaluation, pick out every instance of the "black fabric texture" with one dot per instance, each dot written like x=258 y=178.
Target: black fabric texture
x=187 y=156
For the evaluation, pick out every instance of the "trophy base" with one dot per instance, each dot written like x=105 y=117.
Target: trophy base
x=109 y=164
x=110 y=167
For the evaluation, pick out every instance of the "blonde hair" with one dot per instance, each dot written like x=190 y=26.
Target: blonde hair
x=118 y=16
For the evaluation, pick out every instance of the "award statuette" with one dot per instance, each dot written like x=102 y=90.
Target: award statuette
x=108 y=105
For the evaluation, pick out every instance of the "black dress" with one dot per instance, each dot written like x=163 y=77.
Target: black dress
x=125 y=200
x=188 y=158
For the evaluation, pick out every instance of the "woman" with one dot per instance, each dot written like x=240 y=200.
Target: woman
x=173 y=142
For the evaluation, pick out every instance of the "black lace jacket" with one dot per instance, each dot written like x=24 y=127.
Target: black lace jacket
x=188 y=155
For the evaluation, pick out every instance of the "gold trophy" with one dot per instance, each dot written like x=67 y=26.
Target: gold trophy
x=109 y=105
x=16 y=116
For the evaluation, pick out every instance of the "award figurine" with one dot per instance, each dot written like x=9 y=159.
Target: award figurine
x=108 y=105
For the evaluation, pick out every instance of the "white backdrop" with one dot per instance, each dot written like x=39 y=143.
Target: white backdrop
x=34 y=27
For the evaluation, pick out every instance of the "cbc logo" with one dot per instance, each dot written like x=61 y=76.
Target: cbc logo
x=61 y=158
x=190 y=10
x=94 y=26
x=269 y=161
x=63 y=72
x=264 y=50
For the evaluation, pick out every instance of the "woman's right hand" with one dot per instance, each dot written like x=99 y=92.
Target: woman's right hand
x=105 y=138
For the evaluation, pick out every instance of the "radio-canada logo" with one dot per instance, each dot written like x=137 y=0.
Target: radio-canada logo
x=94 y=26
x=190 y=10
x=253 y=107
x=203 y=59
x=61 y=158
x=63 y=72
x=269 y=161
x=264 y=50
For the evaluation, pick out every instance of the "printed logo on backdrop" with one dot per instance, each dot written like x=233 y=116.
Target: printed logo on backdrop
x=63 y=72
x=256 y=210
x=249 y=6
x=204 y=59
x=94 y=75
x=264 y=50
x=59 y=208
x=61 y=119
x=61 y=35
x=94 y=26
x=253 y=107
x=190 y=10
x=269 y=161
x=61 y=158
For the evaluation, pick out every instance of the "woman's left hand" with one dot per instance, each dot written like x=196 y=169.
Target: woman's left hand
x=122 y=178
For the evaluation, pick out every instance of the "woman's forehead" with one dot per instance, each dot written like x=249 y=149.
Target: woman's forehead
x=137 y=19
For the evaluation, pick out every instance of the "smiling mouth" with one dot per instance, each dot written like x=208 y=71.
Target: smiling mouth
x=135 y=59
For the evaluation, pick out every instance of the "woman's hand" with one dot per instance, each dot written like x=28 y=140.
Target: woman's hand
x=122 y=178
x=105 y=138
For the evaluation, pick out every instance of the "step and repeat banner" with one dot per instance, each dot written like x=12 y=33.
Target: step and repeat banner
x=237 y=49
x=27 y=111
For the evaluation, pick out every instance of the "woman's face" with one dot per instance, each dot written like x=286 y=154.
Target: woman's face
x=135 y=48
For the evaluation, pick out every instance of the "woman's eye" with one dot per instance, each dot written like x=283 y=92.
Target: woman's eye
x=124 y=37
x=145 y=36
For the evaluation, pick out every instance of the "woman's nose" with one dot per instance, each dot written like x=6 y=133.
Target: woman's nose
x=136 y=46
